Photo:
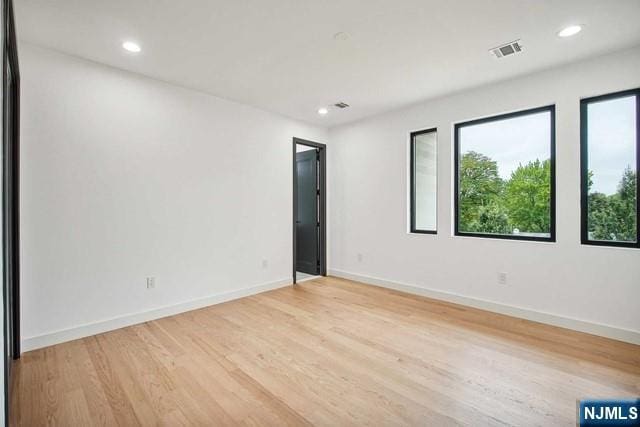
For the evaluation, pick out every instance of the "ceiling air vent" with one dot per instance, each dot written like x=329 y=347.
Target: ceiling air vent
x=341 y=104
x=507 y=49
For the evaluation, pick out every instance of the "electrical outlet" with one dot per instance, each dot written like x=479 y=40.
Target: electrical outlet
x=151 y=282
x=359 y=256
x=265 y=263
x=502 y=278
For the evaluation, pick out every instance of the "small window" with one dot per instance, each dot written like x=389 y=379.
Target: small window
x=609 y=162
x=423 y=181
x=505 y=176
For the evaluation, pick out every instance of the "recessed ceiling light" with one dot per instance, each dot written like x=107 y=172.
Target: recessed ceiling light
x=131 y=47
x=569 y=31
x=322 y=111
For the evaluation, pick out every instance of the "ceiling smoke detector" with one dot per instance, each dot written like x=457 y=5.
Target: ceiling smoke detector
x=507 y=49
x=341 y=104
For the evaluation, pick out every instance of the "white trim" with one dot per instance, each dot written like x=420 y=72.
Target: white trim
x=76 y=332
x=607 y=331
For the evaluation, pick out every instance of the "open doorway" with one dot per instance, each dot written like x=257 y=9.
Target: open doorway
x=309 y=209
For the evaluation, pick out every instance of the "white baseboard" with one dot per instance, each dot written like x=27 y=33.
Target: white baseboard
x=63 y=335
x=60 y=336
x=607 y=331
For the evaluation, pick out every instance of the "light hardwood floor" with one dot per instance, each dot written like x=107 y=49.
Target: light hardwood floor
x=326 y=352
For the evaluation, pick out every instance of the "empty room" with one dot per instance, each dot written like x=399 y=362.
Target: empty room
x=330 y=213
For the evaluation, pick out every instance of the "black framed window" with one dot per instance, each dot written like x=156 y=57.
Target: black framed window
x=424 y=179
x=504 y=180
x=610 y=150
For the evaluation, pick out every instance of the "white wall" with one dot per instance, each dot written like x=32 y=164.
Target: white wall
x=125 y=177
x=369 y=206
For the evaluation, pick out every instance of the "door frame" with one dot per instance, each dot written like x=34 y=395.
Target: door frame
x=10 y=196
x=323 y=203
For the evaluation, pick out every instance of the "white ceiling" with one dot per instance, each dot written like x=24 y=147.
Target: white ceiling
x=281 y=56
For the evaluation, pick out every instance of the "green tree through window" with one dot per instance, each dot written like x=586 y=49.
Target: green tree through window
x=489 y=204
x=527 y=197
x=613 y=217
x=504 y=175
x=610 y=147
x=480 y=187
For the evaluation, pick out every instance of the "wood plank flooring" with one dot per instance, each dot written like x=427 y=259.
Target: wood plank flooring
x=325 y=352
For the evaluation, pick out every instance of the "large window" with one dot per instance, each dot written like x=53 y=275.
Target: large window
x=609 y=147
x=505 y=176
x=423 y=181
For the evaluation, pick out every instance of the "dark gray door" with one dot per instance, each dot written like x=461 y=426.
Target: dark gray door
x=307 y=221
